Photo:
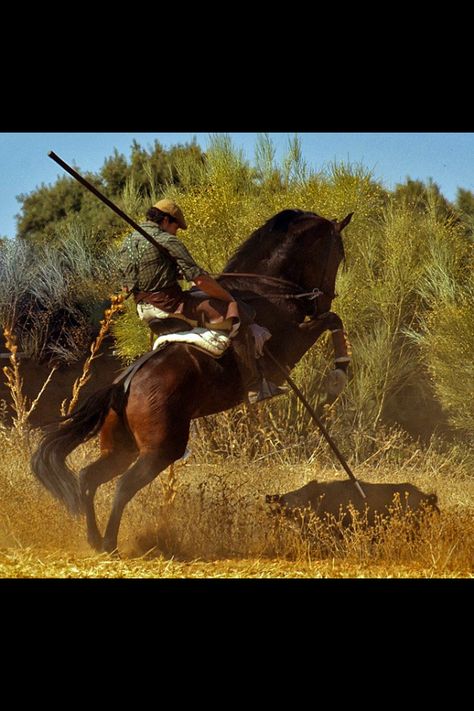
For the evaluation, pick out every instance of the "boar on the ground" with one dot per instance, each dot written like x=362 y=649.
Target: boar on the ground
x=333 y=497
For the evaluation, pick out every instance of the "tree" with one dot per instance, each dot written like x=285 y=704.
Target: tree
x=43 y=209
x=421 y=197
x=114 y=173
x=65 y=202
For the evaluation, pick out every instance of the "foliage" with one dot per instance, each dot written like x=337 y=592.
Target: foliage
x=66 y=202
x=132 y=335
x=449 y=342
x=423 y=198
x=446 y=338
x=49 y=294
x=465 y=207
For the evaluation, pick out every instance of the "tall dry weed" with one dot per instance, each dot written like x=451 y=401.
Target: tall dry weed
x=116 y=305
x=22 y=407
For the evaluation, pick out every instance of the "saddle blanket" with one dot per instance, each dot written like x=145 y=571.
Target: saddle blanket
x=213 y=343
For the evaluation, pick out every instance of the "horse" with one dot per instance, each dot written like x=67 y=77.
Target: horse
x=287 y=270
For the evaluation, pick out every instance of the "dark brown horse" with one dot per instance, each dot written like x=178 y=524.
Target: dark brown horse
x=295 y=256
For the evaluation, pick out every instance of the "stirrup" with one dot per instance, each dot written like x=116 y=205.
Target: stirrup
x=266 y=390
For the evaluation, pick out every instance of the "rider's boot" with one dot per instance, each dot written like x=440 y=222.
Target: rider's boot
x=256 y=386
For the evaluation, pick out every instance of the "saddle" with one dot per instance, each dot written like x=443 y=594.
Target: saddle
x=161 y=326
x=212 y=343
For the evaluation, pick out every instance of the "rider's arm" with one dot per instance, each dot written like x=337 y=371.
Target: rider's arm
x=191 y=270
x=213 y=288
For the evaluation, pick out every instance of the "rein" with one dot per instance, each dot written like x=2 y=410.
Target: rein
x=310 y=295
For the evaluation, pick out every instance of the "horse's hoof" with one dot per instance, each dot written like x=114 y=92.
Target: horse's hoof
x=95 y=543
x=112 y=551
x=335 y=383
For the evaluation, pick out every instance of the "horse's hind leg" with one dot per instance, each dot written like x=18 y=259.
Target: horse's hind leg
x=109 y=465
x=152 y=460
x=117 y=453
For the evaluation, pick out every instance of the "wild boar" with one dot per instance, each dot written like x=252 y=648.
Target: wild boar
x=329 y=498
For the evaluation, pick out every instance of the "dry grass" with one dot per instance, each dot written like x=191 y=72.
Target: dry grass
x=210 y=521
x=22 y=408
x=116 y=301
x=34 y=563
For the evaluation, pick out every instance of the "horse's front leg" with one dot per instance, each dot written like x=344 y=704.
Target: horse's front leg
x=337 y=378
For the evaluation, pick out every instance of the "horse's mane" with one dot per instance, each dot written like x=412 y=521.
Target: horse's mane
x=264 y=252
x=263 y=243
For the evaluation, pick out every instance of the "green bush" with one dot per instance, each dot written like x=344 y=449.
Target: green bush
x=49 y=294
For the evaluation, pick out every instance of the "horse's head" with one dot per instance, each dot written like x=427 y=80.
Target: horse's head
x=331 y=253
x=298 y=246
x=314 y=254
x=317 y=253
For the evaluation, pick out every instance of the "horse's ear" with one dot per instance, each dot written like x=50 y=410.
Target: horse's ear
x=344 y=222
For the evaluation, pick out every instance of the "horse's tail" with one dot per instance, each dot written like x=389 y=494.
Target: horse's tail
x=49 y=460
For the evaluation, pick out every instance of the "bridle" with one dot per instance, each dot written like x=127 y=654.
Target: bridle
x=312 y=295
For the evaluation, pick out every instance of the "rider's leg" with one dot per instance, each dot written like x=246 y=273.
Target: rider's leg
x=255 y=386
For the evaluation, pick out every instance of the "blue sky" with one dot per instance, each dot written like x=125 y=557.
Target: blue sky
x=448 y=158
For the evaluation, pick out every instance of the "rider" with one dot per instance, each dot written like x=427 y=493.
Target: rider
x=152 y=275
